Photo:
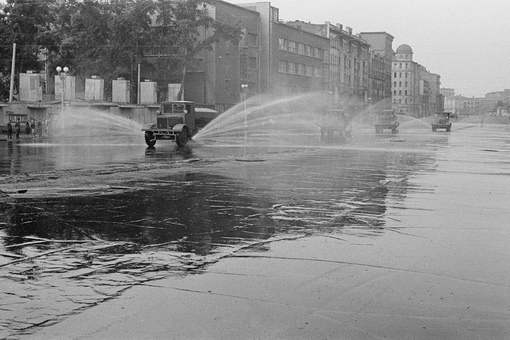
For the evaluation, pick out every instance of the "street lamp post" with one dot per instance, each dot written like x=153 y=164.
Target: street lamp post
x=62 y=73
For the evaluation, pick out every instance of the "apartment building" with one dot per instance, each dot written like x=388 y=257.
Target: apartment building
x=449 y=99
x=416 y=91
x=348 y=67
x=218 y=76
x=381 y=49
x=292 y=60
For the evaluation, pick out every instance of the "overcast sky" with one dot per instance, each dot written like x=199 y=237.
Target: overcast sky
x=466 y=42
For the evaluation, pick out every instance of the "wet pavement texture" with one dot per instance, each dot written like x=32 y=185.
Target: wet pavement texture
x=81 y=222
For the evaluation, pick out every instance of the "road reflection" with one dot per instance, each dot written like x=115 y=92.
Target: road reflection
x=92 y=240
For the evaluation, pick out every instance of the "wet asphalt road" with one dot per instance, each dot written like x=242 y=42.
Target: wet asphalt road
x=86 y=220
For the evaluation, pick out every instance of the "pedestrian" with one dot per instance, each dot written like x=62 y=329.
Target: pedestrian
x=17 y=127
x=39 y=129
x=32 y=127
x=27 y=128
x=45 y=127
x=9 y=130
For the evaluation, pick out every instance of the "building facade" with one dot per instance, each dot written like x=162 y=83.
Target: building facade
x=449 y=99
x=415 y=91
x=292 y=60
x=348 y=67
x=379 y=83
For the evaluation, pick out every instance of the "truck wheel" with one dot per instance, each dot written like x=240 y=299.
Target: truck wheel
x=448 y=129
x=149 y=139
x=182 y=138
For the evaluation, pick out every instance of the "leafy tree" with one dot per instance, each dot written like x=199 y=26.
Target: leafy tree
x=27 y=23
x=111 y=38
x=180 y=34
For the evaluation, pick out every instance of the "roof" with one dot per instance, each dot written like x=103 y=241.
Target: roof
x=404 y=49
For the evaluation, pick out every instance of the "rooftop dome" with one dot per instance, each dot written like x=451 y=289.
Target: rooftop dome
x=404 y=49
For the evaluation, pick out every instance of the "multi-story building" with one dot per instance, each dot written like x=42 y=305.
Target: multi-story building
x=272 y=57
x=435 y=102
x=415 y=90
x=379 y=84
x=348 y=64
x=467 y=105
x=405 y=81
x=449 y=99
x=217 y=77
x=292 y=60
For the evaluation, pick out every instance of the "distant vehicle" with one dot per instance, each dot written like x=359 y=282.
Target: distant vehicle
x=442 y=121
x=333 y=120
x=386 y=119
x=177 y=121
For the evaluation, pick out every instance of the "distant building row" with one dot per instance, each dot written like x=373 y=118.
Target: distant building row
x=283 y=58
x=295 y=57
x=494 y=103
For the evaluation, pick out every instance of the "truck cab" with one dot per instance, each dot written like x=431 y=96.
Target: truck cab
x=442 y=121
x=333 y=121
x=386 y=119
x=175 y=121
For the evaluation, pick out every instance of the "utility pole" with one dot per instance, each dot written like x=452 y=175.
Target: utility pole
x=11 y=90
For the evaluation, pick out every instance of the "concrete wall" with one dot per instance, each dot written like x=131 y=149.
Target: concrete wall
x=142 y=114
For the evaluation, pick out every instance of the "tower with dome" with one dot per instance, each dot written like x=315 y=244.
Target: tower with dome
x=415 y=91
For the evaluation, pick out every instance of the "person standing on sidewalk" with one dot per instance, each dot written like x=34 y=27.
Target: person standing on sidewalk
x=18 y=129
x=27 y=128
x=39 y=129
x=32 y=127
x=9 y=130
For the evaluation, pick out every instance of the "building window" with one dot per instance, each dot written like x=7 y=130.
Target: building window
x=394 y=92
x=395 y=84
x=292 y=47
x=301 y=69
x=406 y=74
x=316 y=72
x=252 y=63
x=308 y=49
x=400 y=74
x=282 y=66
x=405 y=101
x=301 y=48
x=400 y=83
x=406 y=83
x=292 y=68
x=406 y=92
x=400 y=101
x=283 y=44
x=309 y=71
x=399 y=92
x=317 y=53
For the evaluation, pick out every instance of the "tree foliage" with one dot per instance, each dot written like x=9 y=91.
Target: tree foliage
x=110 y=38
